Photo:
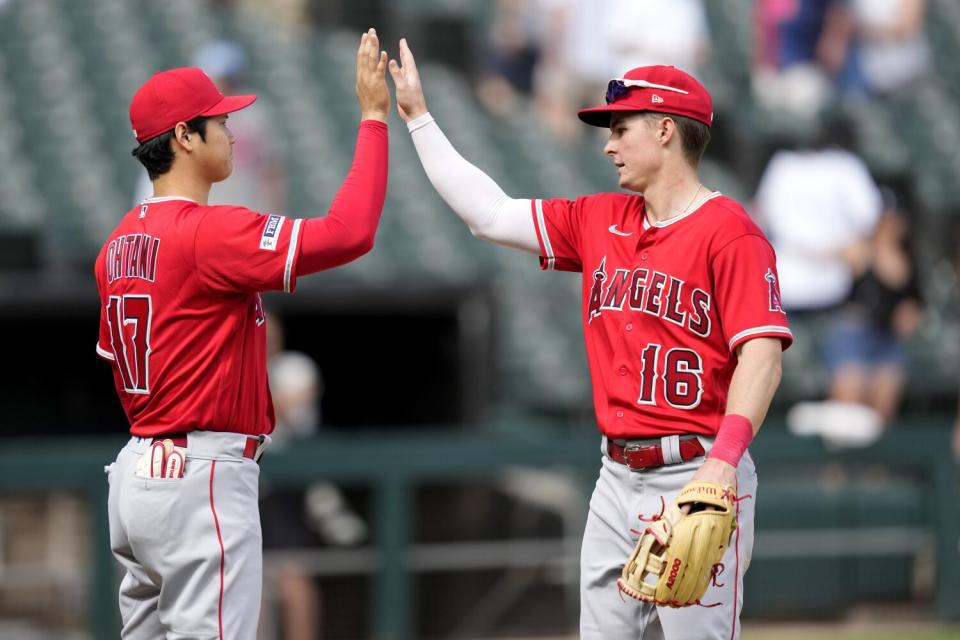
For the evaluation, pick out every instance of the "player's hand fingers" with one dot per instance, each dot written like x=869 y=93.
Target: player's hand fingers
x=373 y=47
x=409 y=64
x=397 y=74
x=361 y=51
x=411 y=102
x=371 y=81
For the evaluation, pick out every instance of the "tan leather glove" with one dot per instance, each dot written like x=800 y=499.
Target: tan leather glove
x=674 y=558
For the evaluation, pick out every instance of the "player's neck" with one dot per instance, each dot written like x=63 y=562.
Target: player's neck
x=673 y=195
x=182 y=184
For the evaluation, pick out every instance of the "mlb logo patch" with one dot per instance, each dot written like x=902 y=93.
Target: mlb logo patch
x=271 y=232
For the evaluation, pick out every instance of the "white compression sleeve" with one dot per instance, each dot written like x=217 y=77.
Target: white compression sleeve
x=479 y=201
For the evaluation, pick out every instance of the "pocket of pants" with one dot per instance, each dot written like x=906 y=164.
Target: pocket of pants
x=143 y=467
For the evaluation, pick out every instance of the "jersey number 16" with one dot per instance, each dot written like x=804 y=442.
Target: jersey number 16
x=682 y=377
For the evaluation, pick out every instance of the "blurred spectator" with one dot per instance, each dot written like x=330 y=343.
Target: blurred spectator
x=820 y=207
x=576 y=62
x=864 y=349
x=291 y=15
x=512 y=52
x=294 y=519
x=586 y=43
x=890 y=48
x=802 y=49
x=295 y=386
x=649 y=32
x=257 y=179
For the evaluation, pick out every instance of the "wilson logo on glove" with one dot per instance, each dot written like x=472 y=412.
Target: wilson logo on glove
x=673 y=573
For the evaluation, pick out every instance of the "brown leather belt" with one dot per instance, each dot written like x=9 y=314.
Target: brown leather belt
x=639 y=457
x=249 y=447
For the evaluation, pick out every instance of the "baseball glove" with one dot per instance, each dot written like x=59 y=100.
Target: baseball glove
x=680 y=551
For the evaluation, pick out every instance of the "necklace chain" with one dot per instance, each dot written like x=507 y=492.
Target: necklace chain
x=693 y=199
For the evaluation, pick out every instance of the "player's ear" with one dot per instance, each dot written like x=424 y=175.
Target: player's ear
x=181 y=135
x=666 y=127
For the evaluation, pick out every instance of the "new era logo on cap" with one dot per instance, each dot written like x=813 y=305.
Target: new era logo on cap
x=658 y=88
x=178 y=95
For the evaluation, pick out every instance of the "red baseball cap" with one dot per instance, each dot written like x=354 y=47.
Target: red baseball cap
x=658 y=88
x=178 y=95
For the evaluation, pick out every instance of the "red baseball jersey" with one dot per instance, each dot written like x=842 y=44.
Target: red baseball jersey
x=664 y=305
x=181 y=317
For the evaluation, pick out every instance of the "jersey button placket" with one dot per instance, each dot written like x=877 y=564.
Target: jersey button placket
x=646 y=240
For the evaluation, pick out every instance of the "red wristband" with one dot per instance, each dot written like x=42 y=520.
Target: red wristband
x=733 y=438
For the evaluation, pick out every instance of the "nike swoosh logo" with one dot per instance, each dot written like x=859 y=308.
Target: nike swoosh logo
x=613 y=229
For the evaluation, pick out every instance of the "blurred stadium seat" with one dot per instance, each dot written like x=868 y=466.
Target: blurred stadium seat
x=67 y=70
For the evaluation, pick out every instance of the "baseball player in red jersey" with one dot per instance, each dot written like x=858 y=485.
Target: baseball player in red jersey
x=682 y=322
x=183 y=325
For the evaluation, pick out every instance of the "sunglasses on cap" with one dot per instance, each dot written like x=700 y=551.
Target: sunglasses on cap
x=618 y=87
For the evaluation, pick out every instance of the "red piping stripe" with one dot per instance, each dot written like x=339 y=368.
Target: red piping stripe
x=216 y=522
x=736 y=577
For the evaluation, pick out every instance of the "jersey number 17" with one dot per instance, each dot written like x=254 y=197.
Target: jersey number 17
x=129 y=319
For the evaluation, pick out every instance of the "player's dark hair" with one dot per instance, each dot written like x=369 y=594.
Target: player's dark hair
x=156 y=154
x=694 y=135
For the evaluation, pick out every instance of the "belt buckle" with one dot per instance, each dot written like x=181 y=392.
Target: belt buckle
x=628 y=448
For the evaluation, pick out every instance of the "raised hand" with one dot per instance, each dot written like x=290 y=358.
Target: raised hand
x=411 y=102
x=372 y=91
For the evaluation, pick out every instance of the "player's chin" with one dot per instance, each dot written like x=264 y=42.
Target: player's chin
x=222 y=172
x=627 y=183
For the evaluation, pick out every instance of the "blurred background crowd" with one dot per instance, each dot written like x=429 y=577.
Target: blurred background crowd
x=837 y=124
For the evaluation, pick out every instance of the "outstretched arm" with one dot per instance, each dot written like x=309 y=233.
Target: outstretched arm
x=479 y=201
x=348 y=230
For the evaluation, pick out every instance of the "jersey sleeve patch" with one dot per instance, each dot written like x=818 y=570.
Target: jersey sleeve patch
x=271 y=232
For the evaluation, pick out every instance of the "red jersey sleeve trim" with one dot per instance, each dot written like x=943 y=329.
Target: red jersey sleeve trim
x=548 y=261
x=103 y=353
x=289 y=279
x=768 y=331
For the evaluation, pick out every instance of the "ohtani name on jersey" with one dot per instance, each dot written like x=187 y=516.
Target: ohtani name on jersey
x=133 y=256
x=653 y=292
